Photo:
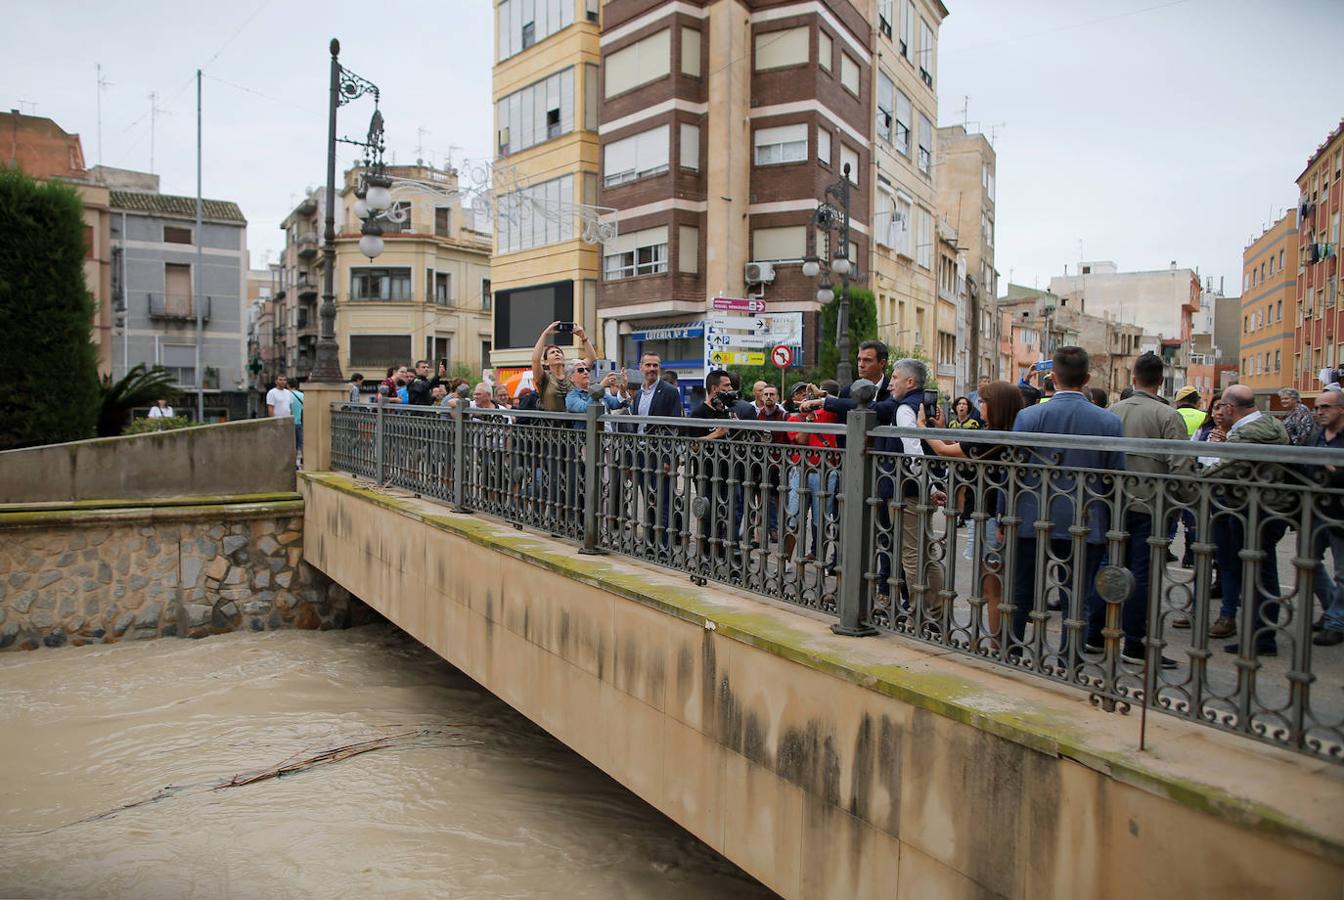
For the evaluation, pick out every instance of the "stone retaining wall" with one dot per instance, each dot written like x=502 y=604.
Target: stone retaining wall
x=102 y=575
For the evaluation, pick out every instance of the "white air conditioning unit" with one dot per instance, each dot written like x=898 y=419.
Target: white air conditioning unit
x=760 y=272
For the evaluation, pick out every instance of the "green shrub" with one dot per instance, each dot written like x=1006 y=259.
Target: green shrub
x=49 y=367
x=166 y=423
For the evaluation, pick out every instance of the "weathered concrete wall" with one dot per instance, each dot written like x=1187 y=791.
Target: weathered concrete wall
x=101 y=575
x=825 y=766
x=251 y=457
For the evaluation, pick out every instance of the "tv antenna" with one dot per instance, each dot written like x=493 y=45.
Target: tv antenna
x=154 y=111
x=103 y=84
x=420 y=144
x=994 y=131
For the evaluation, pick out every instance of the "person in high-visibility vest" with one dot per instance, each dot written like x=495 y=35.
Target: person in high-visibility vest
x=1187 y=404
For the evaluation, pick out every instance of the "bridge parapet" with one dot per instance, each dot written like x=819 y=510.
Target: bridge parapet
x=823 y=765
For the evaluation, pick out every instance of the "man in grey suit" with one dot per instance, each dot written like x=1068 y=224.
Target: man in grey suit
x=1070 y=411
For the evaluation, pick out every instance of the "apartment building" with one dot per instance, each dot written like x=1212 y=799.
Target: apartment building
x=950 y=353
x=1318 y=328
x=965 y=174
x=1163 y=301
x=545 y=182
x=1269 y=307
x=427 y=295
x=906 y=158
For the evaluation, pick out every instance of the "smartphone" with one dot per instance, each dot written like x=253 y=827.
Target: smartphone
x=564 y=328
x=930 y=404
x=1045 y=365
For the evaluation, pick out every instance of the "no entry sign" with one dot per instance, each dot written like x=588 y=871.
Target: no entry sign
x=781 y=356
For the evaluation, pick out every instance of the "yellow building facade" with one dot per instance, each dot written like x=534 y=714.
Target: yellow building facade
x=1268 y=307
x=545 y=170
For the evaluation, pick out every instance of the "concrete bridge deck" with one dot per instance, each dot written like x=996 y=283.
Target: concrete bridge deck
x=830 y=766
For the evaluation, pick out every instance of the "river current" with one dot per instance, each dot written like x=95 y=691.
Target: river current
x=153 y=770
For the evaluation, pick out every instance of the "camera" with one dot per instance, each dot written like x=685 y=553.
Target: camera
x=723 y=401
x=564 y=327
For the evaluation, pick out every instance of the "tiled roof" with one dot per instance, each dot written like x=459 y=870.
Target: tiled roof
x=177 y=207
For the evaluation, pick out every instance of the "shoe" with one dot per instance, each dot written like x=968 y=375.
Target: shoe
x=1135 y=656
x=1319 y=624
x=1266 y=650
x=1094 y=645
x=1328 y=638
x=1223 y=627
x=1182 y=622
x=1172 y=558
x=1188 y=560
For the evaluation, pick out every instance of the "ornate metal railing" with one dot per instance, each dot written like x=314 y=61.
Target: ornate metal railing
x=1112 y=590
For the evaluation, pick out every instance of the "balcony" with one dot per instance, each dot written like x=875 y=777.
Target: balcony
x=305 y=286
x=177 y=307
x=307 y=244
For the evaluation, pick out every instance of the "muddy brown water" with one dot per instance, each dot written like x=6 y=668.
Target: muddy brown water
x=112 y=757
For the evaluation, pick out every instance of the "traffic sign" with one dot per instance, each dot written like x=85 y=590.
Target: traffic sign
x=736 y=358
x=781 y=356
x=739 y=304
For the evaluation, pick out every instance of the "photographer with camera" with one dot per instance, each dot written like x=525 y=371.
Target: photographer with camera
x=712 y=469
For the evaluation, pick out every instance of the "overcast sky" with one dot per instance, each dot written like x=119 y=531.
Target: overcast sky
x=1139 y=131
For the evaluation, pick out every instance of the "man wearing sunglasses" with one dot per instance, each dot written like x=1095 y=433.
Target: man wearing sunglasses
x=1330 y=591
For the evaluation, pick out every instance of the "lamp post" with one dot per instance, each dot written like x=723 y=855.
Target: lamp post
x=832 y=218
x=346 y=86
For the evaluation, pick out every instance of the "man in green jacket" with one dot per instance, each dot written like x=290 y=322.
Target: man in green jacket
x=1248 y=426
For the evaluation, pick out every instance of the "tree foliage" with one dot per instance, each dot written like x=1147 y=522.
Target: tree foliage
x=862 y=327
x=141 y=386
x=49 y=367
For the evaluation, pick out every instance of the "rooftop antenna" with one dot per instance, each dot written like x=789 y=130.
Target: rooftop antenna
x=32 y=107
x=965 y=110
x=154 y=111
x=420 y=144
x=994 y=131
x=448 y=163
x=103 y=84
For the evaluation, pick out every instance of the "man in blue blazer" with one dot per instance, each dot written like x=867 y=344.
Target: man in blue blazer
x=653 y=467
x=1070 y=412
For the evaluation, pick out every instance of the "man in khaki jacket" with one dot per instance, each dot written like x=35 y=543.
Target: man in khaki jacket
x=1143 y=415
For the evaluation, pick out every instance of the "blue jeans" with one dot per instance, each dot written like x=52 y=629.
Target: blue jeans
x=814 y=491
x=1229 y=538
x=1330 y=591
x=1024 y=580
x=1138 y=559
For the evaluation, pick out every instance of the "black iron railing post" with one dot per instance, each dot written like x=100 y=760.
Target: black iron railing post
x=592 y=488
x=378 y=432
x=856 y=527
x=460 y=456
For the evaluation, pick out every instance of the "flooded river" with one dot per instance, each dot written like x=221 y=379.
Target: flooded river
x=150 y=770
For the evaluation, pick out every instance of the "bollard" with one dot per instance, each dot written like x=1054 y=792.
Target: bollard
x=856 y=527
x=591 y=487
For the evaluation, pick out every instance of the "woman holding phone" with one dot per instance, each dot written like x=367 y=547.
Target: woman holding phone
x=548 y=365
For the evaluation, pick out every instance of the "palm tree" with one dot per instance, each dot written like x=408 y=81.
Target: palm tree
x=141 y=386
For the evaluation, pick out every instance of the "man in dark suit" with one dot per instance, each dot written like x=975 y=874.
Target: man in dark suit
x=873 y=357
x=1070 y=411
x=655 y=463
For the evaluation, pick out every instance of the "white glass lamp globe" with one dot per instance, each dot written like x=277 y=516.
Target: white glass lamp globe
x=361 y=209
x=378 y=198
x=371 y=245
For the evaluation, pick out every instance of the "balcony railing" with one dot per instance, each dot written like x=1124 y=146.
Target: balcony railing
x=177 y=307
x=307 y=244
x=1060 y=573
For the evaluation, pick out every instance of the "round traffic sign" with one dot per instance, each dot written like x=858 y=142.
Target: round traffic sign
x=781 y=356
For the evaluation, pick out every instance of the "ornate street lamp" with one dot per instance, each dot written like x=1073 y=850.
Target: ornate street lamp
x=833 y=219
x=346 y=87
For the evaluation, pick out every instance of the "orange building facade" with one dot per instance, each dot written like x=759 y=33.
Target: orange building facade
x=1319 y=332
x=1269 y=306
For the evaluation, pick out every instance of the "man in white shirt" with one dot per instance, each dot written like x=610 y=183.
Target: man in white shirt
x=279 y=400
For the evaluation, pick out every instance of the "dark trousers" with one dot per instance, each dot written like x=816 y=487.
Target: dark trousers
x=1025 y=586
x=1134 y=613
x=1229 y=538
x=655 y=511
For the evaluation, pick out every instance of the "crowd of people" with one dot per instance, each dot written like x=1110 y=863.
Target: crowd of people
x=784 y=494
